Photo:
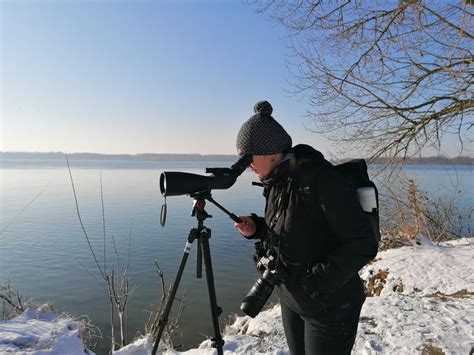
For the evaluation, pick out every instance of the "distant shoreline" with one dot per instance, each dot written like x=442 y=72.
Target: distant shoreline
x=461 y=160
x=117 y=157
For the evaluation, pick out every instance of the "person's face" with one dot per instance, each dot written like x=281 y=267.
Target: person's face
x=262 y=165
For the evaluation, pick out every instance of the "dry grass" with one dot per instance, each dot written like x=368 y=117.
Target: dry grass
x=464 y=293
x=401 y=236
x=399 y=287
x=407 y=213
x=430 y=349
x=12 y=303
x=376 y=282
x=373 y=261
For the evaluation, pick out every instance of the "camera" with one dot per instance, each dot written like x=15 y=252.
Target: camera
x=272 y=275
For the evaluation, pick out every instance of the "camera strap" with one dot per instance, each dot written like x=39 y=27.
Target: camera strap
x=283 y=201
x=285 y=194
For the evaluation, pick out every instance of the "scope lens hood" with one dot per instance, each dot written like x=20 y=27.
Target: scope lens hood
x=174 y=183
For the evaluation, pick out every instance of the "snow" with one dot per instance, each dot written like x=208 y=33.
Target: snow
x=428 y=267
x=425 y=299
x=38 y=332
x=423 y=313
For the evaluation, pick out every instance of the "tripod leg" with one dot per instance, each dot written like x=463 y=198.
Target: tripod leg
x=199 y=260
x=217 y=341
x=169 y=302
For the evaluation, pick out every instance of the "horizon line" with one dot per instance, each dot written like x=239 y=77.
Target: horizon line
x=211 y=155
x=131 y=154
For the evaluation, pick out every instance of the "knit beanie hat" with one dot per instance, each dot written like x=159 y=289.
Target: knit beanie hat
x=261 y=134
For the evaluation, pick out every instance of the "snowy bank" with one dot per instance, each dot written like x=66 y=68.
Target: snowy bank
x=423 y=303
x=38 y=332
x=426 y=301
x=260 y=335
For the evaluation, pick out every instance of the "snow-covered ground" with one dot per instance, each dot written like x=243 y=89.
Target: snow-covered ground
x=423 y=301
x=41 y=332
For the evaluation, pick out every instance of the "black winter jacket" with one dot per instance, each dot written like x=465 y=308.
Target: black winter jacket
x=323 y=236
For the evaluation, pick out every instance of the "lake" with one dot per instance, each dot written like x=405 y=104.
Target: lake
x=46 y=257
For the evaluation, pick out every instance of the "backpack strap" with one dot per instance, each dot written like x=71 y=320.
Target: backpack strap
x=285 y=195
x=283 y=205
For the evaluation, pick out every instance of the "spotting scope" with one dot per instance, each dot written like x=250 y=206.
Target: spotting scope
x=175 y=183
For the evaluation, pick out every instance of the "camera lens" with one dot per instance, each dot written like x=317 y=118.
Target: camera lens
x=257 y=297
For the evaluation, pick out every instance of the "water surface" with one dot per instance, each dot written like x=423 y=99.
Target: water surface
x=44 y=252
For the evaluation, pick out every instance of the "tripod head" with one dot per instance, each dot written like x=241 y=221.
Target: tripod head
x=198 y=205
x=198 y=209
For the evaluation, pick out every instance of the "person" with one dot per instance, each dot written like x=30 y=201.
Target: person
x=318 y=231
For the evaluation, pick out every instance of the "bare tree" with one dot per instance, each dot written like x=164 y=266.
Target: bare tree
x=388 y=77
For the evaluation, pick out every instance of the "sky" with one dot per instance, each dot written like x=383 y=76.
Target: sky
x=144 y=76
x=140 y=76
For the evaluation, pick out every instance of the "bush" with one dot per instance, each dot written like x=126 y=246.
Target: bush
x=408 y=213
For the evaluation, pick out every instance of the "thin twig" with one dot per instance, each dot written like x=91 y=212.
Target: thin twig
x=103 y=222
x=82 y=224
x=24 y=208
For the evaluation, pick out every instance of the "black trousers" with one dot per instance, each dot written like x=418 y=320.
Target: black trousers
x=333 y=333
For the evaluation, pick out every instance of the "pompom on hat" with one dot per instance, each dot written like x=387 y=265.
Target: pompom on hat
x=261 y=134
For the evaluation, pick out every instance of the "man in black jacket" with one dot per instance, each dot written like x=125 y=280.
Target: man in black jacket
x=315 y=226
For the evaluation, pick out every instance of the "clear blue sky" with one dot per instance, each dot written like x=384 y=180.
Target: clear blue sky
x=140 y=76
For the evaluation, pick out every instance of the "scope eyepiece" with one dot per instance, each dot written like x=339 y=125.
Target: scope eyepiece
x=242 y=164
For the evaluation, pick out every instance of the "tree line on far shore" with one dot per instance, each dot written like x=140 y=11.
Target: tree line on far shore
x=430 y=160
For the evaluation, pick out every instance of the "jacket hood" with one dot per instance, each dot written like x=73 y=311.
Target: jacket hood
x=303 y=153
x=306 y=152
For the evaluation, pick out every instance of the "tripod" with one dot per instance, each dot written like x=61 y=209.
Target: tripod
x=202 y=234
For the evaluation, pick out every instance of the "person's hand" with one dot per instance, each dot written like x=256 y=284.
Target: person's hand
x=247 y=227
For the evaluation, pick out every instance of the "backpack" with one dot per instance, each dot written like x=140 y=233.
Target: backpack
x=355 y=173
